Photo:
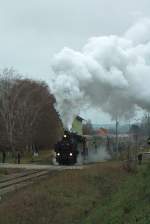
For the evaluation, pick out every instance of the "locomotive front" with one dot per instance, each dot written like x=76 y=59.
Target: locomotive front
x=66 y=150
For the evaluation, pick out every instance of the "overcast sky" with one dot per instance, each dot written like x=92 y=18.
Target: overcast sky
x=31 y=31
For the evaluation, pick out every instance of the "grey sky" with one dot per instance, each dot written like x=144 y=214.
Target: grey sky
x=32 y=31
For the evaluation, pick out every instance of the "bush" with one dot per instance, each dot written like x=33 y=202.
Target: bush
x=130 y=166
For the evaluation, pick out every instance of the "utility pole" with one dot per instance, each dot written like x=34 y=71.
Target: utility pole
x=148 y=123
x=117 y=124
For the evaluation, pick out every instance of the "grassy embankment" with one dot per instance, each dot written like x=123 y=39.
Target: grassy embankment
x=45 y=157
x=103 y=193
x=130 y=204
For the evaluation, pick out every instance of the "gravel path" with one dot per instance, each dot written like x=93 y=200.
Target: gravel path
x=38 y=167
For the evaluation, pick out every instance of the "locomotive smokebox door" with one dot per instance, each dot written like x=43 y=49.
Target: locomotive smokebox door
x=148 y=141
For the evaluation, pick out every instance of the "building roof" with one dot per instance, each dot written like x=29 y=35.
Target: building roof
x=102 y=132
x=79 y=118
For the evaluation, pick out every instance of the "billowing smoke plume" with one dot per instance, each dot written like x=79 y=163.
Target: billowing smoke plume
x=110 y=72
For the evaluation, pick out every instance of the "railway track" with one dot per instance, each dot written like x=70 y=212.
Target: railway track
x=16 y=181
x=28 y=175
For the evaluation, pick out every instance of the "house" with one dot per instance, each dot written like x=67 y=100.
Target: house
x=103 y=132
x=77 y=125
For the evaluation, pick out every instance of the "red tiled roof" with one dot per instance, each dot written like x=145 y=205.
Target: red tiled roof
x=102 y=132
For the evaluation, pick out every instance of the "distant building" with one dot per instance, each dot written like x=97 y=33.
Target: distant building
x=77 y=125
x=103 y=132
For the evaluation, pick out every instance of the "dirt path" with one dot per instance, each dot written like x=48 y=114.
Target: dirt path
x=38 y=167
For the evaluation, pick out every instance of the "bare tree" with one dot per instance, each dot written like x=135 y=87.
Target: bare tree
x=36 y=117
x=8 y=78
x=88 y=128
x=27 y=114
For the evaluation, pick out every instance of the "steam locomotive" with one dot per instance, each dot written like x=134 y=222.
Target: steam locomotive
x=69 y=147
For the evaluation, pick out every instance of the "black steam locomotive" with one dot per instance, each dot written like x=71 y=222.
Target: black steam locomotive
x=69 y=147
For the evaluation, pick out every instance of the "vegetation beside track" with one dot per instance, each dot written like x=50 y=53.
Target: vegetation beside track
x=65 y=197
x=129 y=204
x=5 y=171
x=44 y=157
x=102 y=193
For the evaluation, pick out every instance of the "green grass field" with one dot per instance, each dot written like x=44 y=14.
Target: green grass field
x=45 y=157
x=130 y=204
x=100 y=194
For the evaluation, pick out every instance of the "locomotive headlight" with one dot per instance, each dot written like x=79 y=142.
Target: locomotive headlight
x=70 y=154
x=58 y=154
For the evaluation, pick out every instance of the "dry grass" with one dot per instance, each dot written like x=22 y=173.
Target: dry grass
x=66 y=197
x=45 y=157
x=5 y=171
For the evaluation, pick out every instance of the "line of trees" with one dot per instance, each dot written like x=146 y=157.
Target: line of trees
x=27 y=116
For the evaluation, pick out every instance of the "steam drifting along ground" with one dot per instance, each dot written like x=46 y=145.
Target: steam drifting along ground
x=110 y=72
x=101 y=155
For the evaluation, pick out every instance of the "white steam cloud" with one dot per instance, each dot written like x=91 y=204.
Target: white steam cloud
x=100 y=155
x=110 y=72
